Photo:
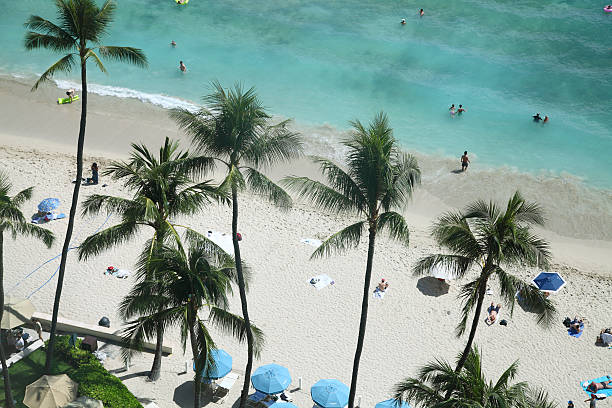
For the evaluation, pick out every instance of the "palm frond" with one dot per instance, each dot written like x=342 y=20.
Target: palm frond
x=234 y=325
x=396 y=226
x=131 y=55
x=319 y=194
x=92 y=54
x=456 y=264
x=276 y=144
x=106 y=239
x=64 y=64
x=260 y=184
x=22 y=196
x=341 y=181
x=43 y=234
x=348 y=237
x=469 y=294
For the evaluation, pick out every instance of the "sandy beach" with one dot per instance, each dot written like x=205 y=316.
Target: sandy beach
x=312 y=332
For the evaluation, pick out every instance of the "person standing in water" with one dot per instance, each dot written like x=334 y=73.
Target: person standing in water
x=452 y=110
x=461 y=109
x=465 y=161
x=403 y=22
x=421 y=13
x=182 y=67
x=173 y=43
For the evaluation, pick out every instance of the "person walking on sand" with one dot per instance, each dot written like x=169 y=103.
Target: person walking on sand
x=182 y=66
x=465 y=161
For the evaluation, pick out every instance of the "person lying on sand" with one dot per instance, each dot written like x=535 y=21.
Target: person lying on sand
x=493 y=311
x=597 y=386
x=576 y=325
x=382 y=286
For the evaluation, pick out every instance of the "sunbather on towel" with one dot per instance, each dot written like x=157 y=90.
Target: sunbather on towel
x=383 y=285
x=576 y=325
x=596 y=386
x=493 y=311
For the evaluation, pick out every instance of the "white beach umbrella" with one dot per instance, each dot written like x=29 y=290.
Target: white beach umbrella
x=17 y=311
x=442 y=271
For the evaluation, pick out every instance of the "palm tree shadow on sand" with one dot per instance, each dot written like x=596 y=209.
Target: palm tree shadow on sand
x=430 y=286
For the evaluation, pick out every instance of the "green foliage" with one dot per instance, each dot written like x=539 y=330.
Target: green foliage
x=94 y=381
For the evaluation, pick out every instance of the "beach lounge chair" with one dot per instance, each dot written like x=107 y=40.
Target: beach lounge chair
x=606 y=338
x=224 y=387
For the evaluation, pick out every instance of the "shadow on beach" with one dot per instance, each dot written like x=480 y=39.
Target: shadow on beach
x=430 y=286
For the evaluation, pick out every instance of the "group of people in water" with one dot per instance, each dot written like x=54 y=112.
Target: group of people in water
x=457 y=111
x=538 y=118
x=421 y=13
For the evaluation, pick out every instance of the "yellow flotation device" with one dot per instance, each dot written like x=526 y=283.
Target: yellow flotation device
x=62 y=101
x=181 y=2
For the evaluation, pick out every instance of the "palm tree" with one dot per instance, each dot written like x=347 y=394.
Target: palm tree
x=191 y=282
x=468 y=388
x=235 y=130
x=13 y=221
x=163 y=189
x=81 y=24
x=379 y=179
x=484 y=235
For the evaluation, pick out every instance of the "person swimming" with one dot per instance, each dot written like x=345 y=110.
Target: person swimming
x=182 y=66
x=421 y=13
x=608 y=7
x=545 y=119
x=173 y=43
x=461 y=109
x=537 y=117
x=403 y=21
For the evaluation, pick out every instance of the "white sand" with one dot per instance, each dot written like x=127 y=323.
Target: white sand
x=312 y=332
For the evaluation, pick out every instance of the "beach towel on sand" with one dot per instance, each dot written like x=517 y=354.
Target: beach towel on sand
x=379 y=294
x=601 y=393
x=47 y=217
x=321 y=281
x=575 y=334
x=311 y=241
x=497 y=318
x=606 y=338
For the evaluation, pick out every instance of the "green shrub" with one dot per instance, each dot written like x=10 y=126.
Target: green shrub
x=93 y=379
x=95 y=382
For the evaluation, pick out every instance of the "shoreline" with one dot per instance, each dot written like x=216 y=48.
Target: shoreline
x=309 y=331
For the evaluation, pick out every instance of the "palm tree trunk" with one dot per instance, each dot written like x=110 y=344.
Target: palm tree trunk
x=197 y=400
x=243 y=299
x=8 y=395
x=155 y=372
x=364 y=315
x=481 y=294
x=73 y=208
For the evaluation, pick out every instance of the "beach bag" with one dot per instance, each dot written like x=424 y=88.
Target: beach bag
x=567 y=322
x=503 y=322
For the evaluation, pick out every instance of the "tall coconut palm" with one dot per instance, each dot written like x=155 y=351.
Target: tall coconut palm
x=78 y=33
x=13 y=221
x=468 y=387
x=234 y=129
x=191 y=282
x=490 y=238
x=379 y=179
x=163 y=188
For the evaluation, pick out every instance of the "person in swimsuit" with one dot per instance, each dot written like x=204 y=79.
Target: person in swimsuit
x=70 y=94
x=182 y=66
x=461 y=109
x=537 y=117
x=609 y=7
x=94 y=174
x=173 y=43
x=493 y=311
x=465 y=161
x=421 y=13
x=383 y=285
x=403 y=21
x=593 y=400
x=545 y=119
x=597 y=386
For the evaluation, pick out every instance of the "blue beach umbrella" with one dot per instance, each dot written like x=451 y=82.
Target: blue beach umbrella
x=330 y=394
x=271 y=379
x=282 y=405
x=48 y=204
x=549 y=282
x=392 y=403
x=223 y=364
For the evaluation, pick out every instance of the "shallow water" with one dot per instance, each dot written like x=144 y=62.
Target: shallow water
x=332 y=61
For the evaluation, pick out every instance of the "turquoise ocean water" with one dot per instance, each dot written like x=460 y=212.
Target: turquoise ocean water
x=328 y=61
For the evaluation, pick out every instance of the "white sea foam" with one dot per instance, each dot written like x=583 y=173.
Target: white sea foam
x=165 y=101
